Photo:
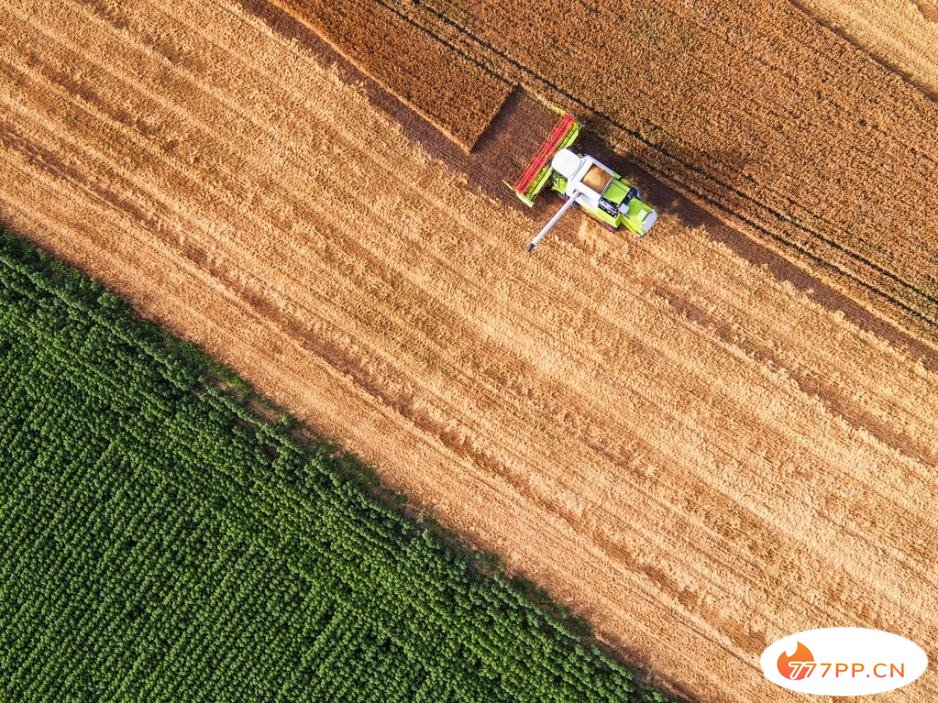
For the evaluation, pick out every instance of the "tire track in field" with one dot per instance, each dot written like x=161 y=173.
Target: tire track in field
x=888 y=32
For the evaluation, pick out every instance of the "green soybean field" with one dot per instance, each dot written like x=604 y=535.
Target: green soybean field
x=159 y=540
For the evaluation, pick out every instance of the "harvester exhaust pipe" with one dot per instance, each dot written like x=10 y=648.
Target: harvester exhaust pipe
x=553 y=221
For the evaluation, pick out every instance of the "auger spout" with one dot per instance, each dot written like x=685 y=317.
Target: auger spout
x=552 y=222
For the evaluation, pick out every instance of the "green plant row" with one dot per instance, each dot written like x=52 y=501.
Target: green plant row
x=159 y=541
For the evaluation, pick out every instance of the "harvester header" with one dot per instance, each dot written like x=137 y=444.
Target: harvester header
x=534 y=177
x=581 y=181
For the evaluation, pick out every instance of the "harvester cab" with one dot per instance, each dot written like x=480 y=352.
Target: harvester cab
x=582 y=181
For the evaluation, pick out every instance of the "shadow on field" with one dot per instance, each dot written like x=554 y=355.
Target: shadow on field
x=669 y=201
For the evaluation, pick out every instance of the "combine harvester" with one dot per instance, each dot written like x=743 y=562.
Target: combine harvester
x=583 y=181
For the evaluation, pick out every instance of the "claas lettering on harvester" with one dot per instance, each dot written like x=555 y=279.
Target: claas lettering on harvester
x=581 y=181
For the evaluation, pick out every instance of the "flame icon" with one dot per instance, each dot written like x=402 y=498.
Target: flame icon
x=788 y=666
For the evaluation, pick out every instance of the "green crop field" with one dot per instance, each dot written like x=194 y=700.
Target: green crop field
x=159 y=541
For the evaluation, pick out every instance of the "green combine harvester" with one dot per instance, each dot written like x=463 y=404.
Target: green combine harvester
x=582 y=181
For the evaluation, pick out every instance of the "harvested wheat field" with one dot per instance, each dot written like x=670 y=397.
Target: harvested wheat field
x=813 y=129
x=693 y=454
